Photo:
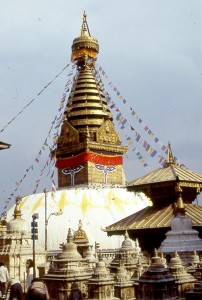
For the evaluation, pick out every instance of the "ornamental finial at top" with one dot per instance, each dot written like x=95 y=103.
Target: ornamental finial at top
x=84 y=27
x=17 y=210
x=170 y=155
x=85 y=45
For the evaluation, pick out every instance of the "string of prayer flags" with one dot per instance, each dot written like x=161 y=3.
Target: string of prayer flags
x=139 y=119
x=44 y=146
x=138 y=138
x=37 y=182
x=144 y=125
x=42 y=90
x=140 y=157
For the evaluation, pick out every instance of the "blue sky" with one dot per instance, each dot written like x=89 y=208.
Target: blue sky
x=151 y=51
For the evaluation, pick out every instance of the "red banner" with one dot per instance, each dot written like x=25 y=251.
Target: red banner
x=82 y=158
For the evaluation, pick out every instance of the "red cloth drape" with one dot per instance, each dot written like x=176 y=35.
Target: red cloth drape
x=84 y=157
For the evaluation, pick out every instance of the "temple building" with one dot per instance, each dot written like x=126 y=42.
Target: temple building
x=163 y=186
x=89 y=160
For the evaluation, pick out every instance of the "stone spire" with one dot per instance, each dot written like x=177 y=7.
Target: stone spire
x=156 y=282
x=184 y=281
x=89 y=149
x=101 y=284
x=182 y=237
x=67 y=268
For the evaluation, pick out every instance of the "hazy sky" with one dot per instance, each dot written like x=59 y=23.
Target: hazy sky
x=150 y=49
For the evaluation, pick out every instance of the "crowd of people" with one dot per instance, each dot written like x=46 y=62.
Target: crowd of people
x=11 y=288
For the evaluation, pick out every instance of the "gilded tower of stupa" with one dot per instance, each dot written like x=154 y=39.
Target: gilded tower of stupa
x=89 y=149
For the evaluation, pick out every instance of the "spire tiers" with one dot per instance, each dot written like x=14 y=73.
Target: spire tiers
x=85 y=44
x=88 y=121
x=87 y=105
x=89 y=149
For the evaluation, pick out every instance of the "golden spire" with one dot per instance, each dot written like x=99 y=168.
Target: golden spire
x=84 y=27
x=85 y=44
x=179 y=206
x=88 y=124
x=17 y=210
x=170 y=155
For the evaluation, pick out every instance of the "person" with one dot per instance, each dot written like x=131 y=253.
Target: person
x=37 y=290
x=29 y=271
x=4 y=277
x=16 y=291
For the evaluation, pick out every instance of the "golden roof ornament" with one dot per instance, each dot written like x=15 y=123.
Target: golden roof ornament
x=80 y=234
x=17 y=210
x=85 y=44
x=179 y=206
x=84 y=27
x=3 y=218
x=170 y=158
x=170 y=155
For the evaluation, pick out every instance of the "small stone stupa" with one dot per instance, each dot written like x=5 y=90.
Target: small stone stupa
x=156 y=282
x=182 y=237
x=184 y=281
x=129 y=255
x=67 y=268
x=124 y=285
x=101 y=284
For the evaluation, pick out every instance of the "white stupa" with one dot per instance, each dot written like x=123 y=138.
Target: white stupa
x=96 y=208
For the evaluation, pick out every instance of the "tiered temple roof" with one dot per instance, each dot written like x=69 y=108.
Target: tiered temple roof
x=162 y=186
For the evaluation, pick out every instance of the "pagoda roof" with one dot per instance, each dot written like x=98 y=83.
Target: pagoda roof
x=162 y=184
x=169 y=172
x=152 y=217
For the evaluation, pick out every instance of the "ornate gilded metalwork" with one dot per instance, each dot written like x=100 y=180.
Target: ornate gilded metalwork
x=107 y=134
x=88 y=125
x=80 y=234
x=85 y=44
